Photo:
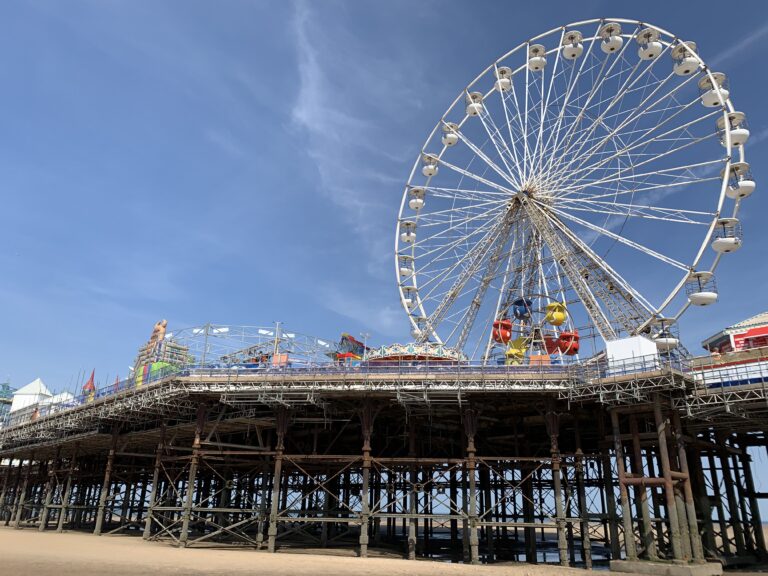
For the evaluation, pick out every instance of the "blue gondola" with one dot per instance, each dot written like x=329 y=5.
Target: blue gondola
x=521 y=308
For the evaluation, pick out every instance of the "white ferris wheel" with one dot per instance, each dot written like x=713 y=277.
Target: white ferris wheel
x=596 y=169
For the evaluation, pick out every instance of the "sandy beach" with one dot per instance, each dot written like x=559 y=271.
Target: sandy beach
x=28 y=552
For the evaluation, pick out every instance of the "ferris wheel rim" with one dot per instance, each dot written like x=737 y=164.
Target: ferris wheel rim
x=668 y=42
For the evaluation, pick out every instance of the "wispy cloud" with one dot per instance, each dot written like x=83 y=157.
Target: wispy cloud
x=388 y=320
x=349 y=107
x=740 y=47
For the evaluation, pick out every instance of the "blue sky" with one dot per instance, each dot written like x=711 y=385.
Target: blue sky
x=243 y=162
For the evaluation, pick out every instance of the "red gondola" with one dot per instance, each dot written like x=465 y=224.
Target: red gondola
x=551 y=345
x=502 y=331
x=568 y=343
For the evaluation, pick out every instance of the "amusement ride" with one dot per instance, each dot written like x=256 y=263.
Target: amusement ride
x=586 y=183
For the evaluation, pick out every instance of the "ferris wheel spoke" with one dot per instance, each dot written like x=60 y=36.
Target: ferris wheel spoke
x=490 y=272
x=594 y=90
x=643 y=134
x=465 y=194
x=502 y=147
x=566 y=101
x=476 y=177
x=636 y=145
x=627 y=242
x=449 y=215
x=441 y=251
x=635 y=189
x=545 y=105
x=662 y=171
x=636 y=114
x=612 y=276
x=505 y=175
x=678 y=215
x=473 y=263
x=617 y=98
x=460 y=225
x=512 y=142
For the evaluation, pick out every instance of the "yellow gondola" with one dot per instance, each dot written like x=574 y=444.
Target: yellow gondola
x=556 y=313
x=516 y=350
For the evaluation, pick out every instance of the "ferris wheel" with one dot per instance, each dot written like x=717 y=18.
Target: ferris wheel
x=599 y=166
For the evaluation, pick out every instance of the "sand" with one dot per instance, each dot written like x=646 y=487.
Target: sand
x=29 y=552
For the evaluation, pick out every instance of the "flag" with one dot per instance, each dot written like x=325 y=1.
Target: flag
x=89 y=388
x=117 y=383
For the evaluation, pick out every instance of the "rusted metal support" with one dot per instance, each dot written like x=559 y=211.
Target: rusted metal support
x=194 y=462
x=104 y=494
x=697 y=550
x=281 y=427
x=67 y=494
x=581 y=490
x=4 y=492
x=626 y=511
x=757 y=524
x=669 y=484
x=367 y=416
x=470 y=430
x=155 y=482
x=553 y=428
x=49 y=489
x=611 y=525
x=733 y=503
x=21 y=497
x=641 y=493
x=413 y=478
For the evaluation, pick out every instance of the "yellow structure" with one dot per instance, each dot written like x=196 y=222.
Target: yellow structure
x=556 y=313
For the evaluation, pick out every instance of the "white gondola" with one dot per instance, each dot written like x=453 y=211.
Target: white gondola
x=450 y=134
x=474 y=102
x=713 y=89
x=410 y=297
x=408 y=231
x=726 y=235
x=740 y=181
x=572 y=46
x=611 y=34
x=416 y=201
x=664 y=335
x=537 y=57
x=429 y=167
x=737 y=126
x=650 y=47
x=406 y=266
x=685 y=61
x=503 y=78
x=700 y=288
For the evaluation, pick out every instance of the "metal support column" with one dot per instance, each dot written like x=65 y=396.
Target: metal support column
x=669 y=484
x=194 y=462
x=104 y=494
x=626 y=511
